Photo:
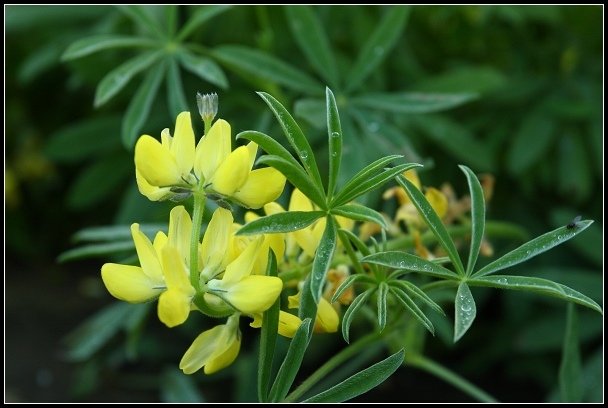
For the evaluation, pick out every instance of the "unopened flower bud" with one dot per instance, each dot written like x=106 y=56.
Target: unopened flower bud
x=207 y=106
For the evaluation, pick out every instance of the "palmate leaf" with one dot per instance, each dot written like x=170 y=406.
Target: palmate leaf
x=356 y=304
x=409 y=262
x=409 y=304
x=360 y=213
x=90 y=45
x=203 y=67
x=199 y=17
x=323 y=257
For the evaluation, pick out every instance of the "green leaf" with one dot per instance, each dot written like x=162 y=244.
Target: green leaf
x=175 y=387
x=175 y=91
x=296 y=138
x=268 y=337
x=370 y=184
x=119 y=77
x=142 y=17
x=268 y=144
x=90 y=45
x=589 y=245
x=348 y=282
x=116 y=232
x=170 y=14
x=570 y=383
x=478 y=217
x=89 y=251
x=280 y=222
x=530 y=143
x=430 y=217
x=261 y=65
x=409 y=262
x=98 y=181
x=365 y=173
x=83 y=139
x=361 y=247
x=532 y=248
x=139 y=107
x=382 y=293
x=413 y=308
x=456 y=140
x=361 y=382
x=200 y=15
x=293 y=361
x=536 y=285
x=98 y=329
x=312 y=40
x=334 y=134
x=378 y=45
x=296 y=176
x=346 y=241
x=323 y=257
x=204 y=68
x=360 y=213
x=412 y=102
x=414 y=290
x=464 y=311
x=352 y=310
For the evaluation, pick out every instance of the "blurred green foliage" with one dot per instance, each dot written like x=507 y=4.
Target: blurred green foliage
x=511 y=90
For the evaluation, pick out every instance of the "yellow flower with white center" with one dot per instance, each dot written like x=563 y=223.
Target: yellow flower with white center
x=213 y=349
x=174 y=166
x=163 y=272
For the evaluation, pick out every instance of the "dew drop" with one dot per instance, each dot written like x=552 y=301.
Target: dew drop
x=402 y=264
x=465 y=308
x=303 y=155
x=426 y=268
x=502 y=280
x=335 y=134
x=528 y=252
x=334 y=154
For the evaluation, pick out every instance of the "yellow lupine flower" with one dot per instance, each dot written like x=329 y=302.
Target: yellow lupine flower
x=213 y=349
x=244 y=292
x=163 y=272
x=175 y=163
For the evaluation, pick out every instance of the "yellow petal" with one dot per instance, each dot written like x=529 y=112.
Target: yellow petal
x=250 y=216
x=212 y=149
x=231 y=173
x=262 y=186
x=252 y=294
x=412 y=175
x=160 y=240
x=173 y=307
x=130 y=283
x=166 y=139
x=215 y=242
x=156 y=163
x=242 y=265
x=438 y=201
x=273 y=208
x=147 y=254
x=253 y=152
x=308 y=238
x=257 y=320
x=202 y=349
x=288 y=324
x=175 y=271
x=152 y=192
x=180 y=228
x=215 y=347
x=327 y=318
x=299 y=202
x=222 y=360
x=182 y=146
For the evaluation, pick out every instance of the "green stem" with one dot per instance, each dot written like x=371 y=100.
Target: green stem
x=332 y=363
x=197 y=219
x=451 y=377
